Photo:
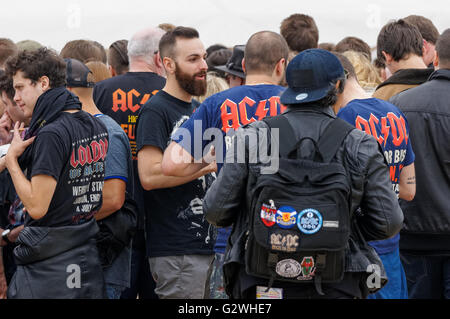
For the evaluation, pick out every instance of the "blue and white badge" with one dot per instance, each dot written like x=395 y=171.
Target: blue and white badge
x=309 y=221
x=286 y=217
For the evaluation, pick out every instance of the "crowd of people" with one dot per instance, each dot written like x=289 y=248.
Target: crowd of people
x=279 y=168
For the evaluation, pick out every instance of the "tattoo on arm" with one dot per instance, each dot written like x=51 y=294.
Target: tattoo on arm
x=411 y=180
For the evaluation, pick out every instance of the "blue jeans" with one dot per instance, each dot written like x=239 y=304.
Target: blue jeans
x=114 y=291
x=396 y=288
x=428 y=277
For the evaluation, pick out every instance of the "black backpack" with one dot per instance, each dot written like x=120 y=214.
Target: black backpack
x=299 y=223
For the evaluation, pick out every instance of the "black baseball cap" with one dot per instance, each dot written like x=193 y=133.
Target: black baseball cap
x=77 y=73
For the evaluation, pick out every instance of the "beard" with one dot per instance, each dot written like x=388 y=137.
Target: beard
x=189 y=83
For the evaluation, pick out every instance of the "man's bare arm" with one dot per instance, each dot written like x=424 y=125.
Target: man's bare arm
x=179 y=162
x=407 y=183
x=113 y=197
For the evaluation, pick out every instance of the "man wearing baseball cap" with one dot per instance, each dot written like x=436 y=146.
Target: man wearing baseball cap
x=315 y=78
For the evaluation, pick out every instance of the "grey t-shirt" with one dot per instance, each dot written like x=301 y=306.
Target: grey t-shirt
x=118 y=164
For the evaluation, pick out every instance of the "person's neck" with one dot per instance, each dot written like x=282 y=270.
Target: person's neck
x=88 y=105
x=255 y=79
x=173 y=88
x=413 y=62
x=351 y=92
x=141 y=66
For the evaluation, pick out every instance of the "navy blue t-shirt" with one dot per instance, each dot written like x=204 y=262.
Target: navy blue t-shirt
x=389 y=126
x=227 y=111
x=175 y=222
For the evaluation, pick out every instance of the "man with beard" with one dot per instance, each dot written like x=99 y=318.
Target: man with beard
x=178 y=237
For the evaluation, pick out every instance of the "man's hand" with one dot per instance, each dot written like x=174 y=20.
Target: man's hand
x=15 y=233
x=5 y=126
x=18 y=145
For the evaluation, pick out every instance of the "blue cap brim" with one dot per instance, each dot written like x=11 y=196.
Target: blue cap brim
x=299 y=96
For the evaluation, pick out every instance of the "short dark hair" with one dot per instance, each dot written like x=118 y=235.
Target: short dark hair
x=215 y=47
x=443 y=48
x=300 y=32
x=118 y=56
x=7 y=48
x=82 y=50
x=329 y=100
x=354 y=44
x=426 y=27
x=168 y=40
x=327 y=46
x=263 y=51
x=217 y=58
x=6 y=85
x=102 y=50
x=349 y=70
x=399 y=39
x=38 y=63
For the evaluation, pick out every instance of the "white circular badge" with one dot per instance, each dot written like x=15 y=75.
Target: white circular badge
x=301 y=96
x=288 y=268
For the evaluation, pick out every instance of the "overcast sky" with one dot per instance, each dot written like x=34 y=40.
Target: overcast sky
x=230 y=22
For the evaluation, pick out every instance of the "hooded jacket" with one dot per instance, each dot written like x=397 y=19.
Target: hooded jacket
x=427 y=216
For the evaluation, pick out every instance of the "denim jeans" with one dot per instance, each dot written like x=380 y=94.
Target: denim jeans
x=428 y=277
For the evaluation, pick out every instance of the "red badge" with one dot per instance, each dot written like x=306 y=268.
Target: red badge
x=268 y=214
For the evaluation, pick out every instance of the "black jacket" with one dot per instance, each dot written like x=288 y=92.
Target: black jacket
x=49 y=259
x=427 y=216
x=229 y=198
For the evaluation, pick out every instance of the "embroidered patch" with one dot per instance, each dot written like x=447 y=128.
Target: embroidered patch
x=287 y=243
x=288 y=268
x=286 y=217
x=308 y=268
x=268 y=214
x=309 y=221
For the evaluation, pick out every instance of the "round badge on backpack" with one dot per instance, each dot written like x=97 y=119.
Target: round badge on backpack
x=286 y=217
x=309 y=221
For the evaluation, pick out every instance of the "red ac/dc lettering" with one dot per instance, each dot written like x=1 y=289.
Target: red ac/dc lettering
x=90 y=153
x=390 y=124
x=234 y=115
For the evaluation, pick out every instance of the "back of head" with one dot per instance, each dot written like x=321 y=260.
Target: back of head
x=144 y=44
x=99 y=71
x=354 y=44
x=365 y=71
x=263 y=51
x=102 y=50
x=300 y=32
x=118 y=56
x=400 y=40
x=83 y=50
x=7 y=48
x=29 y=45
x=443 y=49
x=38 y=63
x=168 y=41
x=167 y=27
x=217 y=58
x=213 y=48
x=326 y=46
x=6 y=85
x=426 y=27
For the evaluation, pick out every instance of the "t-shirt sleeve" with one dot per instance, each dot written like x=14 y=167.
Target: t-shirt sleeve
x=186 y=135
x=116 y=162
x=151 y=130
x=50 y=155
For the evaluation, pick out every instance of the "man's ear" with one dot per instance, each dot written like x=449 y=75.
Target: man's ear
x=169 y=65
x=281 y=67
x=243 y=65
x=387 y=57
x=112 y=71
x=436 y=60
x=44 y=83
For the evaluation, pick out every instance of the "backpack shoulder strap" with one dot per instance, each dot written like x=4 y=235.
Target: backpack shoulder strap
x=287 y=134
x=332 y=138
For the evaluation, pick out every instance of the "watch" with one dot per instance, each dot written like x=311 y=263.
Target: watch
x=5 y=236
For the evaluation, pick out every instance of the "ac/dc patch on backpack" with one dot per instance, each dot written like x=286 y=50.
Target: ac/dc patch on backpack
x=268 y=214
x=286 y=217
x=309 y=221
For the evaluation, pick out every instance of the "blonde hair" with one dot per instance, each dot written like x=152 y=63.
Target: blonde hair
x=99 y=71
x=214 y=84
x=366 y=73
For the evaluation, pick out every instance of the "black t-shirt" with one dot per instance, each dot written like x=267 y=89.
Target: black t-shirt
x=121 y=98
x=72 y=150
x=176 y=224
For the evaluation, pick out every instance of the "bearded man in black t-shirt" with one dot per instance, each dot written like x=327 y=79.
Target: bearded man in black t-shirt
x=62 y=155
x=179 y=239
